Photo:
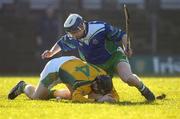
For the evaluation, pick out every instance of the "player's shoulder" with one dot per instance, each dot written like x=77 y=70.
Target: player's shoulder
x=65 y=37
x=101 y=24
x=97 y=22
x=97 y=25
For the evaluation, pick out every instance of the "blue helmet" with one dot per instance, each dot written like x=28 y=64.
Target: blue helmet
x=73 y=22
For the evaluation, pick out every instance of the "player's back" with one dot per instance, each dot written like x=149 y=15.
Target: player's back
x=76 y=69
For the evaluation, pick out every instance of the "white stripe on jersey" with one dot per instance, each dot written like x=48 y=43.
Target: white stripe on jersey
x=93 y=29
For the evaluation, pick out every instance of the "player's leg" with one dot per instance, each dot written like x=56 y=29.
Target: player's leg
x=39 y=93
x=125 y=73
x=62 y=94
x=42 y=92
x=48 y=79
x=31 y=91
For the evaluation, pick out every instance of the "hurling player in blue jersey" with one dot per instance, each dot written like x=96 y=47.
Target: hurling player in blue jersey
x=100 y=44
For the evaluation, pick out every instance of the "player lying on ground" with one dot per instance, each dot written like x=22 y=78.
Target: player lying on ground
x=81 y=79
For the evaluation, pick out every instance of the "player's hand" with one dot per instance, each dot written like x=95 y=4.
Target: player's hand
x=58 y=99
x=107 y=98
x=46 y=54
x=128 y=52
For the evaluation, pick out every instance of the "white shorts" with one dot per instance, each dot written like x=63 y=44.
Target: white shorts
x=49 y=76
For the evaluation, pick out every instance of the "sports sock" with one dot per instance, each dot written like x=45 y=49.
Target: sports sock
x=142 y=87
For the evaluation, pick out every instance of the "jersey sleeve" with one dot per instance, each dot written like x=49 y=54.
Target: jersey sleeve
x=67 y=44
x=79 y=94
x=114 y=33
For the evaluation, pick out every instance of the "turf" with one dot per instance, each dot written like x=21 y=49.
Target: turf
x=131 y=105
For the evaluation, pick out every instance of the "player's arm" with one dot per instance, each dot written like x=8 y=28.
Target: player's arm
x=114 y=94
x=118 y=35
x=79 y=94
x=113 y=33
x=128 y=51
x=62 y=94
x=110 y=97
x=49 y=53
x=65 y=43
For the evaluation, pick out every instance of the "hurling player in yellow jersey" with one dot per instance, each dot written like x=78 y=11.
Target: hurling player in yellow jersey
x=80 y=78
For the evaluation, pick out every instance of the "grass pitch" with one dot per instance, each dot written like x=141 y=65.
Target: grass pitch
x=131 y=105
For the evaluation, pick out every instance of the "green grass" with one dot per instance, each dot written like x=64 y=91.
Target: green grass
x=131 y=106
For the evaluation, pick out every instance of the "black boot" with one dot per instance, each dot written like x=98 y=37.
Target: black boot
x=16 y=90
x=148 y=94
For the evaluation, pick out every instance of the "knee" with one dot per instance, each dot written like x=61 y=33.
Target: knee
x=41 y=92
